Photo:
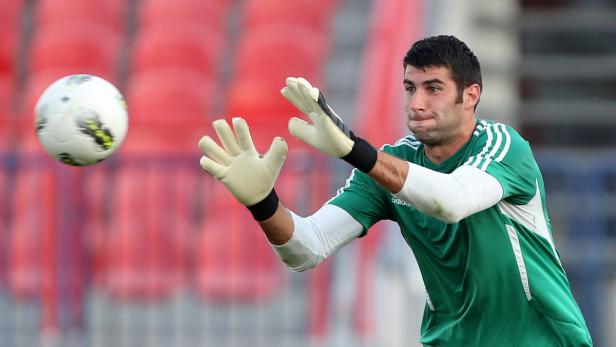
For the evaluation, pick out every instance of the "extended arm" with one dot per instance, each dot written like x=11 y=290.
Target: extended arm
x=301 y=243
x=447 y=197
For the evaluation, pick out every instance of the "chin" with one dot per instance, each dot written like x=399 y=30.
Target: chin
x=426 y=137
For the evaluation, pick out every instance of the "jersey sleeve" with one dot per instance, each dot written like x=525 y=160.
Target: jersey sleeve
x=505 y=155
x=363 y=199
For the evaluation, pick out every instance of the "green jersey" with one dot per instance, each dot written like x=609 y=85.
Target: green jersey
x=494 y=278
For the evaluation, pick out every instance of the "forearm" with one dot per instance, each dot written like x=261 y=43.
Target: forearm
x=450 y=197
x=447 y=197
x=390 y=172
x=279 y=227
x=312 y=238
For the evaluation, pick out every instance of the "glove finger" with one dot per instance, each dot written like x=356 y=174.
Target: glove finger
x=306 y=98
x=313 y=91
x=291 y=96
x=225 y=134
x=291 y=93
x=276 y=154
x=213 y=167
x=243 y=135
x=302 y=81
x=301 y=129
x=210 y=148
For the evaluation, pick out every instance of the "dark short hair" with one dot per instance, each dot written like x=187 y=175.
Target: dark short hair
x=449 y=52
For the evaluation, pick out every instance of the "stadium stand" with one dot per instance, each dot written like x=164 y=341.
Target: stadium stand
x=233 y=263
x=145 y=244
x=187 y=46
x=76 y=48
x=108 y=14
x=7 y=92
x=314 y=15
x=161 y=13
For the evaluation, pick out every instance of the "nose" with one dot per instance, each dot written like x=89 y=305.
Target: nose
x=417 y=101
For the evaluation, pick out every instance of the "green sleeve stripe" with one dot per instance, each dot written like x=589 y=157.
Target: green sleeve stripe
x=497 y=145
x=507 y=143
x=479 y=127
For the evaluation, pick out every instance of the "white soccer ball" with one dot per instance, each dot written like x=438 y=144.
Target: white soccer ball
x=81 y=119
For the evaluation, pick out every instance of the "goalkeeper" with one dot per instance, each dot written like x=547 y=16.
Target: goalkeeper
x=467 y=194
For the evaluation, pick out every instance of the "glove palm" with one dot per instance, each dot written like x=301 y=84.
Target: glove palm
x=327 y=133
x=247 y=175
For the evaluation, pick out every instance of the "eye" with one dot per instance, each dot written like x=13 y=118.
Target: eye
x=409 y=89
x=434 y=89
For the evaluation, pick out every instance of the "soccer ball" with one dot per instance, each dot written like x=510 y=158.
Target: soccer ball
x=81 y=119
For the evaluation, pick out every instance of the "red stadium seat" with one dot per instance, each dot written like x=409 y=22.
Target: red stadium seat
x=32 y=245
x=192 y=46
x=78 y=47
x=9 y=43
x=168 y=111
x=263 y=107
x=234 y=261
x=49 y=13
x=255 y=88
x=169 y=97
x=10 y=16
x=161 y=13
x=278 y=50
x=7 y=92
x=306 y=13
x=145 y=247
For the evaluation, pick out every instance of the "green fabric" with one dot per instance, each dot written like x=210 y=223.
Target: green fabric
x=478 y=290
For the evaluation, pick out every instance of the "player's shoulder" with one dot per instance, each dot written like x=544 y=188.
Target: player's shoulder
x=495 y=140
x=489 y=129
x=405 y=145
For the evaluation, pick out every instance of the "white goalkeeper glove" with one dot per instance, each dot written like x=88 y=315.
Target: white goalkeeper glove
x=327 y=133
x=248 y=176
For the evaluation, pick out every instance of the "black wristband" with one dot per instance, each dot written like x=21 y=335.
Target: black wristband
x=363 y=155
x=265 y=208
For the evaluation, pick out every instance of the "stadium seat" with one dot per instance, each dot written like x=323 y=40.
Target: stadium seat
x=278 y=50
x=171 y=97
x=162 y=13
x=78 y=47
x=7 y=92
x=49 y=13
x=264 y=108
x=254 y=92
x=145 y=246
x=10 y=16
x=9 y=43
x=234 y=261
x=32 y=242
x=187 y=46
x=314 y=15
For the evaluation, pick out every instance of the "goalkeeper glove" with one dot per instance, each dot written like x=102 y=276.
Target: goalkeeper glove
x=327 y=133
x=247 y=175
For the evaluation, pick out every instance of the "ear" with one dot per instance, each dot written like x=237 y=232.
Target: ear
x=472 y=94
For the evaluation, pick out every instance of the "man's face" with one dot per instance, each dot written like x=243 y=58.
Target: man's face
x=434 y=113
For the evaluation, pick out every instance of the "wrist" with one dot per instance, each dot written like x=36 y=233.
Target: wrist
x=265 y=208
x=362 y=156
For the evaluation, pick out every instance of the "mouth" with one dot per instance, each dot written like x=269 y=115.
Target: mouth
x=422 y=119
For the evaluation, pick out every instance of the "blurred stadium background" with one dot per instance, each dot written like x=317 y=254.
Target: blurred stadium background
x=144 y=250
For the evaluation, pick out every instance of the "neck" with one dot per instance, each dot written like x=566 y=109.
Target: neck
x=441 y=152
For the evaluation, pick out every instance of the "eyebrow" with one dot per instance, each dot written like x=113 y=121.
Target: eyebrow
x=427 y=82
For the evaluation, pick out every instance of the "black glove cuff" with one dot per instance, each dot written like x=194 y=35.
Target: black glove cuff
x=265 y=208
x=363 y=155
